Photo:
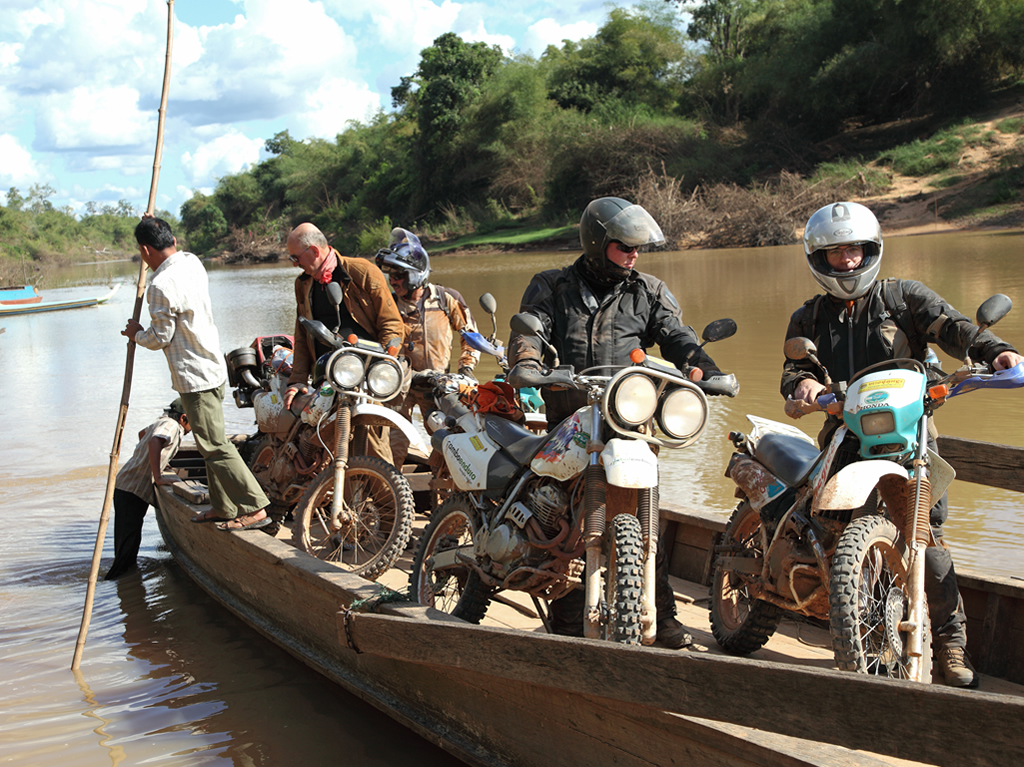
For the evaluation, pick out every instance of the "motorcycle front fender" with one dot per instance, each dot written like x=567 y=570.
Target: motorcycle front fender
x=851 y=487
x=415 y=440
x=629 y=463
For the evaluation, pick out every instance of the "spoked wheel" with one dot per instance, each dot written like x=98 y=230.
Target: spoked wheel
x=623 y=580
x=376 y=523
x=440 y=578
x=868 y=601
x=741 y=623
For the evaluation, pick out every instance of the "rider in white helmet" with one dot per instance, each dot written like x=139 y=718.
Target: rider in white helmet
x=861 y=320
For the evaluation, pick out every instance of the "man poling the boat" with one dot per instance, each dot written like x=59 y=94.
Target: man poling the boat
x=182 y=326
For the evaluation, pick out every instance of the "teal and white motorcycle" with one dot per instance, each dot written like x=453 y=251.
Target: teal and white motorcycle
x=840 y=534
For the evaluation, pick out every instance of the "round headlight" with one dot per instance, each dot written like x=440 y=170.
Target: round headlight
x=346 y=371
x=683 y=414
x=635 y=400
x=383 y=380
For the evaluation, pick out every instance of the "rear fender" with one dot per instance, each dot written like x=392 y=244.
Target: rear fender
x=851 y=487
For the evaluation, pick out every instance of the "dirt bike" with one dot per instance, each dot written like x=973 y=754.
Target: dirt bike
x=302 y=453
x=840 y=534
x=530 y=505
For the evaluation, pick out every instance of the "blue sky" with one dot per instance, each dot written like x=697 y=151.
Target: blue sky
x=80 y=80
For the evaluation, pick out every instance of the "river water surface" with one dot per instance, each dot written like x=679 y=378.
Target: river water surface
x=169 y=677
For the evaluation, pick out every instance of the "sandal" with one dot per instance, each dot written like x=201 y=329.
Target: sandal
x=208 y=516
x=239 y=523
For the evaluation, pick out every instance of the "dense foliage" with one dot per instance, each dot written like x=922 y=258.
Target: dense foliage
x=719 y=92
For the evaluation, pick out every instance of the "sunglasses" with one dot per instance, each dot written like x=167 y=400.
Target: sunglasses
x=842 y=250
x=295 y=259
x=622 y=247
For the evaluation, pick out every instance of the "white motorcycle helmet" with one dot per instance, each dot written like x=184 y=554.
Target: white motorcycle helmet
x=843 y=223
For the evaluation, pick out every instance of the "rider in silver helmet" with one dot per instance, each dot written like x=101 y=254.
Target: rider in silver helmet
x=860 y=321
x=849 y=225
x=595 y=312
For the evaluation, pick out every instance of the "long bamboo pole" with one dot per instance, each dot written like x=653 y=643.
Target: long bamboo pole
x=129 y=366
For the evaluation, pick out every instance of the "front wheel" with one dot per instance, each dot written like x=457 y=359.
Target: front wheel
x=868 y=601
x=376 y=519
x=740 y=622
x=623 y=581
x=440 y=577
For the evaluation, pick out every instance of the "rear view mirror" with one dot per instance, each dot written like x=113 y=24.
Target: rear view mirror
x=993 y=310
x=799 y=348
x=719 y=330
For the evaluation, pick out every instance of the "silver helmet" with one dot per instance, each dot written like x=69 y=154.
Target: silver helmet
x=843 y=223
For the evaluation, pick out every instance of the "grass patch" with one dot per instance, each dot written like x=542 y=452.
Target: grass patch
x=1010 y=125
x=507 y=237
x=872 y=180
x=948 y=181
x=940 y=152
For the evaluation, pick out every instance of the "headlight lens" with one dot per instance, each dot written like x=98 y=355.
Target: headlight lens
x=383 y=380
x=683 y=413
x=636 y=399
x=874 y=424
x=346 y=371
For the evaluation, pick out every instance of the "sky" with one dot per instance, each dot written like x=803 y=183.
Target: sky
x=80 y=81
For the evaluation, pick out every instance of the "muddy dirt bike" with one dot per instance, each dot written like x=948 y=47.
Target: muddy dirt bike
x=840 y=534
x=302 y=453
x=528 y=506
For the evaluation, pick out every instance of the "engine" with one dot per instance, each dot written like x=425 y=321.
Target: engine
x=549 y=503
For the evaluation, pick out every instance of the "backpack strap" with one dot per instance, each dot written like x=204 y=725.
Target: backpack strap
x=896 y=305
x=810 y=318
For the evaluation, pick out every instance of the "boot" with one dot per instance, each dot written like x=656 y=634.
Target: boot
x=673 y=634
x=957 y=670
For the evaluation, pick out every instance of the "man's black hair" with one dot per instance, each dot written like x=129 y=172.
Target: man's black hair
x=155 y=233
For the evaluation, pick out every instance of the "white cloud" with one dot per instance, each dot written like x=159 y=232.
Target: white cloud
x=332 y=105
x=549 y=32
x=478 y=34
x=228 y=153
x=93 y=118
x=18 y=167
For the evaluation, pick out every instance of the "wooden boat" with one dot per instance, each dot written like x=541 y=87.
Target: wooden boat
x=494 y=695
x=52 y=306
x=19 y=294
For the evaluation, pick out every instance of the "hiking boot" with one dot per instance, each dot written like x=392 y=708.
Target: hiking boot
x=956 y=668
x=673 y=634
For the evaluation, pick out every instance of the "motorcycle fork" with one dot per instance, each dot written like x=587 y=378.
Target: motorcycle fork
x=920 y=530
x=594 y=524
x=342 y=429
x=647 y=510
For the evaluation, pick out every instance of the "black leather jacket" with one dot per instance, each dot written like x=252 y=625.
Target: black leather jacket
x=880 y=330
x=639 y=312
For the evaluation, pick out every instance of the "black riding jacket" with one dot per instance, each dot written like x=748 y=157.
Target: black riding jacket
x=637 y=313
x=883 y=327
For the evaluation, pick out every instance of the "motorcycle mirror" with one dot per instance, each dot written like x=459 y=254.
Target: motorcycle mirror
x=334 y=293
x=799 y=348
x=526 y=325
x=719 y=330
x=320 y=330
x=993 y=310
x=488 y=304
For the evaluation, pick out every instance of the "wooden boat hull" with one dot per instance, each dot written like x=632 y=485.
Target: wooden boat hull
x=499 y=696
x=52 y=306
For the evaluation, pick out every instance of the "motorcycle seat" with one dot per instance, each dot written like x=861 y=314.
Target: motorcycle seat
x=521 y=443
x=788 y=458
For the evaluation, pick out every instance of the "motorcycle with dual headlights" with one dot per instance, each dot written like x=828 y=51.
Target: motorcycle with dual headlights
x=530 y=511
x=349 y=509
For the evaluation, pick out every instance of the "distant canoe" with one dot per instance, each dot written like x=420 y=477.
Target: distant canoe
x=19 y=294
x=52 y=306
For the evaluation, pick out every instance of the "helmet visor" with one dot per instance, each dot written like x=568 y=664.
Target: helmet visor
x=634 y=226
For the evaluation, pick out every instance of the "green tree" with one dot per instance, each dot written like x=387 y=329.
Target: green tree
x=203 y=221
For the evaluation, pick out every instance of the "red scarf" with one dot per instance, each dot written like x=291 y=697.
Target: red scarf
x=326 y=271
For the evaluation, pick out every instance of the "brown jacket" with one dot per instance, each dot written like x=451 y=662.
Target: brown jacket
x=429 y=325
x=367 y=296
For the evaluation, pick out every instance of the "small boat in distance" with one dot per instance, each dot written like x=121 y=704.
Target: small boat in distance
x=19 y=294
x=12 y=302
